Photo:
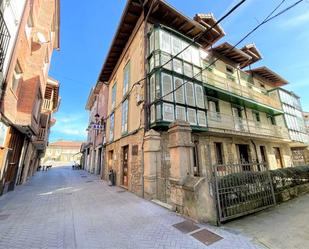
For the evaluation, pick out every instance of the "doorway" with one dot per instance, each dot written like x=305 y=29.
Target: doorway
x=263 y=154
x=278 y=157
x=99 y=164
x=125 y=157
x=243 y=153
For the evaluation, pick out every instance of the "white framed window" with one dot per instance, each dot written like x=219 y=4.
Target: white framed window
x=187 y=68
x=152 y=88
x=197 y=73
x=190 y=98
x=167 y=87
x=111 y=127
x=165 y=41
x=186 y=54
x=177 y=66
x=168 y=112
x=181 y=113
x=179 y=93
x=124 y=123
x=191 y=116
x=158 y=112
x=199 y=96
x=176 y=46
x=151 y=42
x=17 y=75
x=164 y=59
x=152 y=114
x=201 y=118
x=195 y=56
x=126 y=78
x=114 y=91
x=36 y=109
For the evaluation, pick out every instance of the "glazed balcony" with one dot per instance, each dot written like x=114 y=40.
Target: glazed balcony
x=220 y=122
x=244 y=89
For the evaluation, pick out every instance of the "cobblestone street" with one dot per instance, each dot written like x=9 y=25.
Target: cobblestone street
x=62 y=208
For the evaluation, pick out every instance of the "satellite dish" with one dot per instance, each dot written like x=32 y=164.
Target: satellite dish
x=41 y=37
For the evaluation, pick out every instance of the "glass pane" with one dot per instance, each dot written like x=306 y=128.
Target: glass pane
x=165 y=41
x=151 y=63
x=126 y=78
x=164 y=59
x=177 y=46
x=158 y=112
x=167 y=87
x=168 y=112
x=152 y=88
x=177 y=66
x=199 y=96
x=186 y=54
x=152 y=114
x=201 y=118
x=188 y=69
x=190 y=99
x=197 y=73
x=179 y=93
x=151 y=43
x=191 y=116
x=195 y=56
x=181 y=113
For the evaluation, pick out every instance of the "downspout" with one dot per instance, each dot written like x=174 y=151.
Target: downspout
x=146 y=105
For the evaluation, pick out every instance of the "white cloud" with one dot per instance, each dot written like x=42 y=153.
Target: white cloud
x=297 y=20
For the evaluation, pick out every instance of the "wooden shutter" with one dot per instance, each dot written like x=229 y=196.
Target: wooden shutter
x=186 y=54
x=201 y=118
x=187 y=68
x=177 y=66
x=181 y=113
x=165 y=41
x=191 y=116
x=168 y=112
x=177 y=46
x=190 y=98
x=167 y=87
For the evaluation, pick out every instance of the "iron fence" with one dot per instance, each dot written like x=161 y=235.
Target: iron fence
x=242 y=189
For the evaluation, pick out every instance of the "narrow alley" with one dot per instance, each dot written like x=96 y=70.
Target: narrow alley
x=53 y=210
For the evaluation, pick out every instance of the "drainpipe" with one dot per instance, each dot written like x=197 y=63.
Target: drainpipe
x=146 y=106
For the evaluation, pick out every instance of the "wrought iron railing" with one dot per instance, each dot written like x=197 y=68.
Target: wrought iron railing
x=223 y=121
x=4 y=40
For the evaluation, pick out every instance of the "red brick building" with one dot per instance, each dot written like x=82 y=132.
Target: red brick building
x=30 y=96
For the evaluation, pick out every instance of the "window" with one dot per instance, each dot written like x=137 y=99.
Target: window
x=237 y=112
x=188 y=71
x=186 y=54
x=126 y=78
x=111 y=128
x=256 y=116
x=199 y=96
x=114 y=89
x=167 y=87
x=151 y=42
x=229 y=69
x=272 y=119
x=152 y=88
x=165 y=41
x=213 y=110
x=190 y=98
x=165 y=58
x=37 y=106
x=219 y=153
x=191 y=116
x=197 y=73
x=168 y=112
x=177 y=66
x=196 y=168
x=17 y=74
x=124 y=123
x=201 y=118
x=152 y=114
x=195 y=56
x=179 y=93
x=177 y=46
x=181 y=113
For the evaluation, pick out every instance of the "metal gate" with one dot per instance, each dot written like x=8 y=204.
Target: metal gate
x=242 y=189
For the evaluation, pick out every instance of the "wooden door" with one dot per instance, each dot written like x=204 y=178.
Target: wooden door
x=125 y=166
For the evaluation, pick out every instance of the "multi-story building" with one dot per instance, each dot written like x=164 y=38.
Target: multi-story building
x=26 y=90
x=62 y=151
x=177 y=106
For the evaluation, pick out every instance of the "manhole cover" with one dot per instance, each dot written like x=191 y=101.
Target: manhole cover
x=186 y=226
x=121 y=191
x=89 y=181
x=206 y=237
x=4 y=216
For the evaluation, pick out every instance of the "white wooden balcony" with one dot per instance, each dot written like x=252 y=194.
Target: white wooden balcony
x=47 y=105
x=227 y=123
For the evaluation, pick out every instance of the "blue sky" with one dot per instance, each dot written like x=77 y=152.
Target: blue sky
x=86 y=32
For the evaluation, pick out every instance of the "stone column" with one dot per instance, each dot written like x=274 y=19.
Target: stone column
x=152 y=160
x=180 y=146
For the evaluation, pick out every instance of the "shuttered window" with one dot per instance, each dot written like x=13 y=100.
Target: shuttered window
x=190 y=98
x=201 y=118
x=167 y=87
x=199 y=96
x=168 y=112
x=179 y=93
x=181 y=113
x=152 y=114
x=188 y=70
x=186 y=54
x=191 y=116
x=151 y=42
x=111 y=128
x=195 y=56
x=177 y=66
x=152 y=88
x=165 y=58
x=114 y=90
x=176 y=46
x=197 y=73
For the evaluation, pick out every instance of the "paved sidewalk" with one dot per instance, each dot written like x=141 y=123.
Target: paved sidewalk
x=62 y=208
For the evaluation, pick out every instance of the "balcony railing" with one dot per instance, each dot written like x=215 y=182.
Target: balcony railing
x=47 y=105
x=42 y=134
x=249 y=91
x=4 y=41
x=235 y=124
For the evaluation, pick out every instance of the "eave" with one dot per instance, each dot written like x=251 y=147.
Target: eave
x=253 y=52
